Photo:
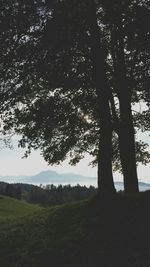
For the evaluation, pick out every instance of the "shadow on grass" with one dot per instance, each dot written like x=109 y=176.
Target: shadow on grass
x=92 y=233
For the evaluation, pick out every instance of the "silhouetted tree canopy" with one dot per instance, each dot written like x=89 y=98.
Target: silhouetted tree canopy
x=47 y=76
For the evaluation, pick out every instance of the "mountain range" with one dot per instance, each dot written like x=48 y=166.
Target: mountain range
x=52 y=177
x=49 y=177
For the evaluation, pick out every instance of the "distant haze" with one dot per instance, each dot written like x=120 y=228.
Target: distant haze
x=52 y=177
x=12 y=164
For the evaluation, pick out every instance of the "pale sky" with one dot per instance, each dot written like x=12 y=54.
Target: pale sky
x=11 y=163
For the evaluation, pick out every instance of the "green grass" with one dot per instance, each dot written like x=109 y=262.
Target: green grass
x=93 y=233
x=12 y=208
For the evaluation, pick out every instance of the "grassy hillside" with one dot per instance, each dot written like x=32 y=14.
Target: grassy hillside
x=94 y=233
x=12 y=208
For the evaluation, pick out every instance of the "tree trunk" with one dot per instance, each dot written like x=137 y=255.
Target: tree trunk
x=126 y=129
x=127 y=146
x=105 y=176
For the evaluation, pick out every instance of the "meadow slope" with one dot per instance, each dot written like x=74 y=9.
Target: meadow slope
x=92 y=233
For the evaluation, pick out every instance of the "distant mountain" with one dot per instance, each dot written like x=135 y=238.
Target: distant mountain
x=142 y=186
x=52 y=177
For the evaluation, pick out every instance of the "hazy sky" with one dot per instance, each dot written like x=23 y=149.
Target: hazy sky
x=11 y=163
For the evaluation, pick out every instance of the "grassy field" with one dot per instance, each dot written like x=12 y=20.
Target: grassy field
x=92 y=233
x=12 y=208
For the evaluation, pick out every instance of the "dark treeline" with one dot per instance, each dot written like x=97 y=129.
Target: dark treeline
x=11 y=190
x=54 y=195
x=47 y=195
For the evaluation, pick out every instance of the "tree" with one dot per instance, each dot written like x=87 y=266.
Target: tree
x=65 y=59
x=125 y=125
x=105 y=177
x=58 y=87
x=125 y=32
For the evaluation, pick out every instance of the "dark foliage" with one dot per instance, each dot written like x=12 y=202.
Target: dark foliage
x=11 y=190
x=48 y=195
x=63 y=65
